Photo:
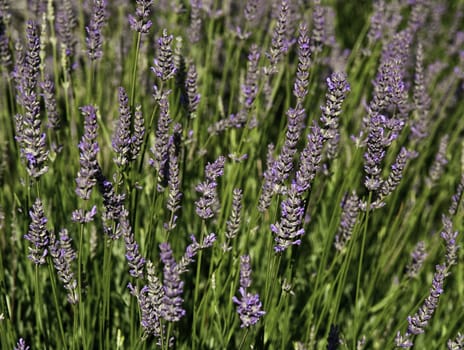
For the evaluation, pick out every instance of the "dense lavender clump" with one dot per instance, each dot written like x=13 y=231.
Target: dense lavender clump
x=249 y=306
x=86 y=176
x=38 y=234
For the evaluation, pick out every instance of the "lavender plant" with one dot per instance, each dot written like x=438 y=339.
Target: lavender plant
x=326 y=150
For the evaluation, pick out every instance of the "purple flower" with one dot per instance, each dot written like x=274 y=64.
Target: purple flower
x=338 y=88
x=249 y=306
x=450 y=239
x=86 y=176
x=140 y=22
x=289 y=229
x=121 y=140
x=310 y=159
x=188 y=257
x=418 y=322
x=208 y=204
x=48 y=94
x=397 y=169
x=160 y=149
x=21 y=345
x=94 y=39
x=63 y=255
x=194 y=30
x=38 y=234
x=377 y=23
x=233 y=224
x=80 y=216
x=191 y=87
x=175 y=194
x=456 y=198
x=279 y=42
x=150 y=300
x=375 y=153
x=31 y=139
x=300 y=87
x=457 y=343
x=350 y=211
x=171 y=307
x=318 y=32
x=138 y=133
x=250 y=88
x=421 y=99
x=134 y=259
x=418 y=256
x=65 y=24
x=438 y=166
x=164 y=67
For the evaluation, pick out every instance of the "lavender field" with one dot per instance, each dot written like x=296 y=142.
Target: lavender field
x=219 y=174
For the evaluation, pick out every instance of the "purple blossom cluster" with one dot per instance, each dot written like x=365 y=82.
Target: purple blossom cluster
x=420 y=320
x=208 y=205
x=94 y=39
x=63 y=255
x=249 y=306
x=86 y=176
x=141 y=22
x=38 y=235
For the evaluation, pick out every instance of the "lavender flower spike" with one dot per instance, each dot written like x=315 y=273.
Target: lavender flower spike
x=208 y=204
x=121 y=140
x=86 y=176
x=164 y=67
x=21 y=345
x=38 y=234
x=450 y=239
x=338 y=87
x=288 y=230
x=140 y=22
x=249 y=306
x=457 y=343
x=135 y=260
x=63 y=254
x=418 y=256
x=300 y=87
x=420 y=320
x=350 y=210
x=94 y=39
x=171 y=307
